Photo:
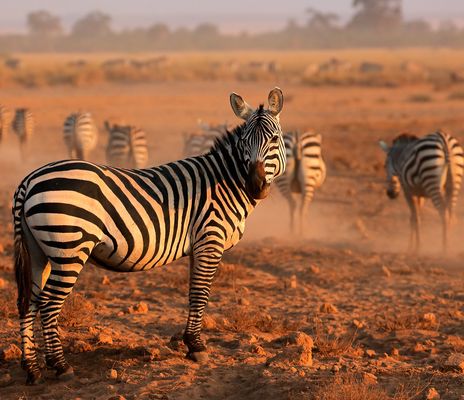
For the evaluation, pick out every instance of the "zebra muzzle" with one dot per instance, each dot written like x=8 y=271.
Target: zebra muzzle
x=256 y=184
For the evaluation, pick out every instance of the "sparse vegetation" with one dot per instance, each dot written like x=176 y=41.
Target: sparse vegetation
x=420 y=98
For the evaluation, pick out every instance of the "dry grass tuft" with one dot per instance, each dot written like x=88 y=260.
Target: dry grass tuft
x=8 y=304
x=420 y=98
x=332 y=345
x=458 y=95
x=400 y=320
x=77 y=311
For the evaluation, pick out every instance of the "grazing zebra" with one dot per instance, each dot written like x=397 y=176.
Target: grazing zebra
x=305 y=171
x=127 y=146
x=80 y=134
x=427 y=167
x=5 y=121
x=201 y=142
x=68 y=212
x=23 y=126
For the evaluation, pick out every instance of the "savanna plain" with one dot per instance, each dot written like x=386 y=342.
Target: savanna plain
x=342 y=312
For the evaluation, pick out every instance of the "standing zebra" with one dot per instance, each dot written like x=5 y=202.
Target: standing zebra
x=80 y=134
x=68 y=212
x=127 y=146
x=427 y=167
x=23 y=126
x=201 y=142
x=305 y=171
x=5 y=121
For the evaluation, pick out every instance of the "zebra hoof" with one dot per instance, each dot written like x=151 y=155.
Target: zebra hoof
x=34 y=379
x=200 y=357
x=65 y=374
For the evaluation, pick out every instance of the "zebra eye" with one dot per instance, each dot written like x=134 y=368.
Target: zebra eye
x=274 y=139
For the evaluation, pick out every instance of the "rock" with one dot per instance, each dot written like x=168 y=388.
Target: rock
x=257 y=349
x=335 y=368
x=429 y=318
x=395 y=352
x=3 y=283
x=79 y=346
x=139 y=308
x=104 y=338
x=328 y=308
x=296 y=338
x=419 y=348
x=432 y=394
x=243 y=301
x=209 y=322
x=2 y=248
x=106 y=280
x=293 y=282
x=314 y=269
x=371 y=353
x=358 y=324
x=455 y=362
x=5 y=379
x=386 y=272
x=112 y=374
x=369 y=379
x=12 y=352
x=292 y=356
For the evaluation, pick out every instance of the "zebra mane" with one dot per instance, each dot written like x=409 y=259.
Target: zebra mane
x=404 y=138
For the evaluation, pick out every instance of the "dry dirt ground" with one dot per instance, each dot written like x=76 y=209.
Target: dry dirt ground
x=383 y=323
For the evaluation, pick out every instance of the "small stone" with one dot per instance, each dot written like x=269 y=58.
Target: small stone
x=104 y=338
x=335 y=368
x=257 y=349
x=106 y=280
x=2 y=248
x=371 y=353
x=294 y=370
x=369 y=379
x=113 y=374
x=12 y=352
x=430 y=318
x=455 y=362
x=419 y=348
x=328 y=308
x=208 y=322
x=79 y=346
x=243 y=301
x=3 y=283
x=92 y=330
x=139 y=308
x=358 y=324
x=386 y=272
x=314 y=269
x=432 y=394
x=293 y=282
x=395 y=352
x=301 y=373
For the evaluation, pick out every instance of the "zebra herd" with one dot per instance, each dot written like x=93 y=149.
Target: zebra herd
x=69 y=212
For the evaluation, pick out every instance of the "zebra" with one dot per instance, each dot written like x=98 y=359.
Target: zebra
x=23 y=126
x=127 y=146
x=68 y=212
x=80 y=134
x=427 y=167
x=201 y=142
x=305 y=171
x=5 y=121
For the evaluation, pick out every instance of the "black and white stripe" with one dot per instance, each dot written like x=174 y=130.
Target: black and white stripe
x=80 y=135
x=201 y=142
x=5 y=121
x=428 y=167
x=68 y=212
x=127 y=146
x=305 y=172
x=23 y=125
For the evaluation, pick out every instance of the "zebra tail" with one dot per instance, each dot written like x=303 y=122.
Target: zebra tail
x=22 y=259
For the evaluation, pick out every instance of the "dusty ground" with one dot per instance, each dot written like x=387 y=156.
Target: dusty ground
x=383 y=323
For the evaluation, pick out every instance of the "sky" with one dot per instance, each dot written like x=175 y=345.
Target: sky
x=235 y=15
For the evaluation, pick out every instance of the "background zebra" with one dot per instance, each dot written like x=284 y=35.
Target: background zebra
x=131 y=220
x=127 y=146
x=80 y=135
x=23 y=126
x=201 y=142
x=5 y=121
x=305 y=171
x=427 y=167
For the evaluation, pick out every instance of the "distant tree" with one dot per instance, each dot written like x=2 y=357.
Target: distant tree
x=321 y=21
x=94 y=24
x=418 y=26
x=206 y=30
x=377 y=14
x=158 y=31
x=43 y=23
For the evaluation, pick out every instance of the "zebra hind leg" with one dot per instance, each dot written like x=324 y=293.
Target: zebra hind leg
x=29 y=362
x=58 y=286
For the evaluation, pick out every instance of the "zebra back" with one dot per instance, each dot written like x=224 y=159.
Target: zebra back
x=80 y=134
x=23 y=124
x=201 y=142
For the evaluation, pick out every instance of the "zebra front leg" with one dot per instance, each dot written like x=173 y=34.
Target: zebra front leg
x=414 y=204
x=203 y=265
x=59 y=285
x=29 y=361
x=292 y=208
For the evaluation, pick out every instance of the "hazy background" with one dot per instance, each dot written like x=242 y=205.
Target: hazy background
x=252 y=16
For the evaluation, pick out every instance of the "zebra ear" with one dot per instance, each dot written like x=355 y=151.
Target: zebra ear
x=384 y=146
x=276 y=101
x=241 y=108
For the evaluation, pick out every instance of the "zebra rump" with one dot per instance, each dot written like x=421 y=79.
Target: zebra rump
x=80 y=135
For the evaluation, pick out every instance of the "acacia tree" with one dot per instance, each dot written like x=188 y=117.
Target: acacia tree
x=377 y=14
x=94 y=24
x=43 y=23
x=321 y=21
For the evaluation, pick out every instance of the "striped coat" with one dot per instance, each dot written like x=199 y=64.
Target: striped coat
x=305 y=172
x=127 y=146
x=68 y=212
x=23 y=125
x=428 y=167
x=201 y=142
x=80 y=135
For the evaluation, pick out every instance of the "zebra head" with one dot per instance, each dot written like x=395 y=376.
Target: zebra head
x=393 y=182
x=261 y=142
